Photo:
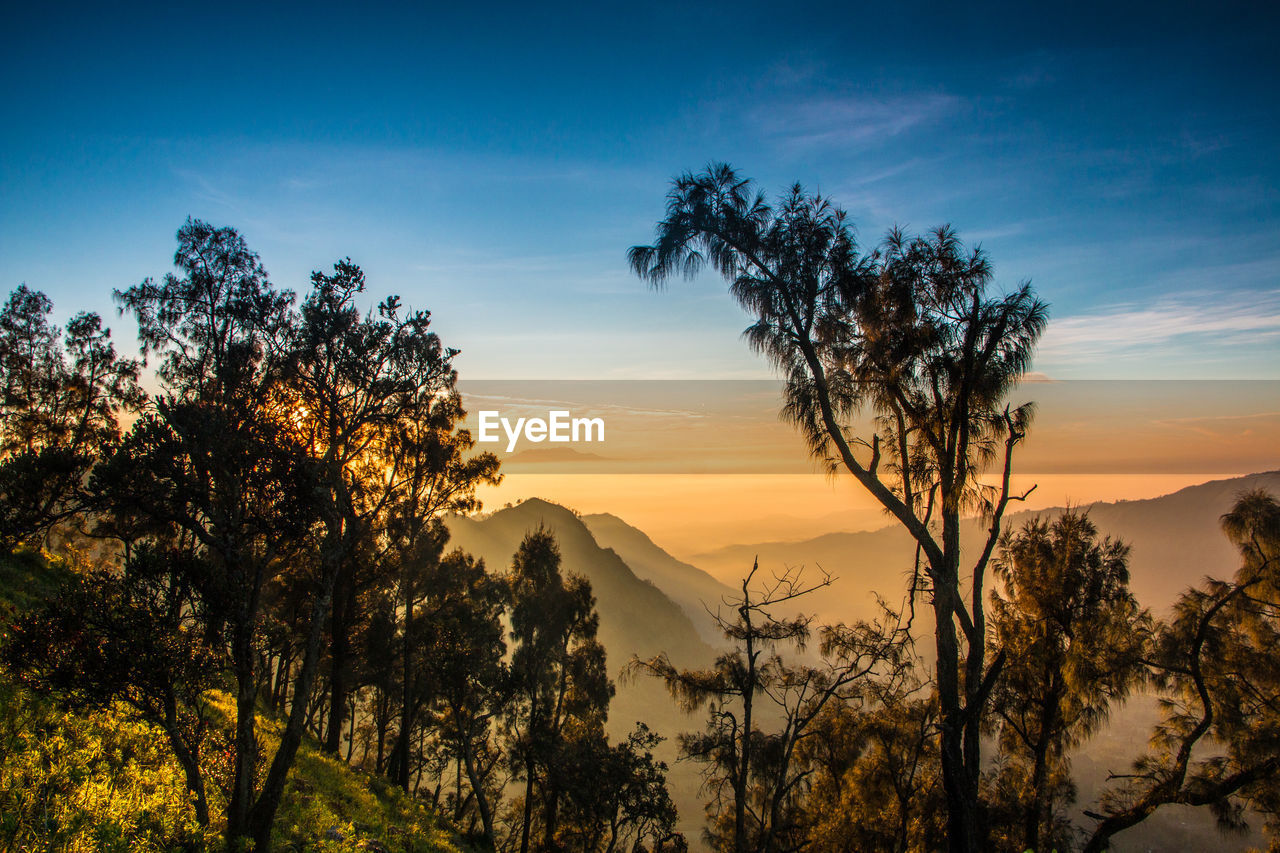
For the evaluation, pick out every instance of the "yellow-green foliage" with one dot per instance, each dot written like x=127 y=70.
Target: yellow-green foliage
x=329 y=806
x=87 y=782
x=98 y=780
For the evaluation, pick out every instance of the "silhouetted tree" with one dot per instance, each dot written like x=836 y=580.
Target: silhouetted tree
x=214 y=456
x=1216 y=666
x=616 y=796
x=463 y=652
x=355 y=384
x=755 y=775
x=378 y=647
x=1073 y=637
x=435 y=474
x=909 y=335
x=560 y=688
x=59 y=398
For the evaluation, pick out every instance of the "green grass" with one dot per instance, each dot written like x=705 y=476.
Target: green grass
x=92 y=780
x=327 y=798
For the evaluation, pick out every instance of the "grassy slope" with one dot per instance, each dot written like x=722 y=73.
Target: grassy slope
x=96 y=780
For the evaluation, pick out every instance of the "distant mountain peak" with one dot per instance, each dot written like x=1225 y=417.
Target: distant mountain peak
x=540 y=506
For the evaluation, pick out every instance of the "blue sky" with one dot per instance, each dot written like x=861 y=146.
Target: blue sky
x=493 y=163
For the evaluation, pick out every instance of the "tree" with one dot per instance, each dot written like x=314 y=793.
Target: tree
x=434 y=474
x=908 y=334
x=1219 y=679
x=214 y=457
x=1073 y=637
x=875 y=781
x=463 y=652
x=616 y=796
x=357 y=386
x=378 y=647
x=756 y=776
x=59 y=398
x=560 y=688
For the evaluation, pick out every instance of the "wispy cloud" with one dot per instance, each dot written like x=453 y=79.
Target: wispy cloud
x=1209 y=319
x=827 y=121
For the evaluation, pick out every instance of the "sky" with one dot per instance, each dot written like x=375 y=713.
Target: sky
x=493 y=163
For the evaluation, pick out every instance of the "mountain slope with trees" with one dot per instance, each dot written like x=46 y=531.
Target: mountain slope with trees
x=97 y=778
x=636 y=618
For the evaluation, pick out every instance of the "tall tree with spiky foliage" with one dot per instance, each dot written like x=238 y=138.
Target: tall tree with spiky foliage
x=910 y=335
x=757 y=774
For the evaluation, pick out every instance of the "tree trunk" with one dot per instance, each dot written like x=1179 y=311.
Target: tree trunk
x=550 y=817
x=528 y=806
x=189 y=761
x=744 y=754
x=351 y=728
x=283 y=676
x=477 y=788
x=339 y=655
x=961 y=796
x=264 y=810
x=246 y=744
x=1034 y=820
x=957 y=689
x=383 y=720
x=399 y=766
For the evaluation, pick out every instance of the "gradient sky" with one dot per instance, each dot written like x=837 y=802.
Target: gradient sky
x=493 y=163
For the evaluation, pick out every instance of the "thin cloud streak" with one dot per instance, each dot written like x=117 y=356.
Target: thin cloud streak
x=1124 y=329
x=844 y=121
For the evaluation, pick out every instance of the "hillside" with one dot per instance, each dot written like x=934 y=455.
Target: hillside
x=636 y=617
x=1174 y=542
x=98 y=779
x=693 y=589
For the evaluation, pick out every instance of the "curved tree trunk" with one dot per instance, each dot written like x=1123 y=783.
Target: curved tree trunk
x=482 y=799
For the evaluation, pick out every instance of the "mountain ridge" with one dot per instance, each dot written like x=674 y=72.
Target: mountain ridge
x=1174 y=542
x=696 y=591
